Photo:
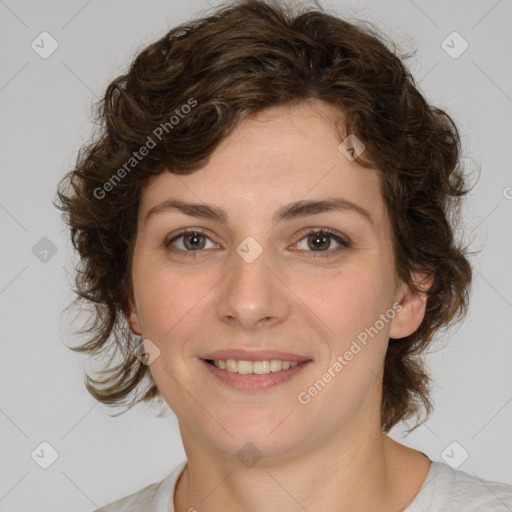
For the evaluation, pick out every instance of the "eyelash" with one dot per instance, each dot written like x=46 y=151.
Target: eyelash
x=344 y=243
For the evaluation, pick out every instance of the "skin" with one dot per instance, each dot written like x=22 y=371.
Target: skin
x=327 y=455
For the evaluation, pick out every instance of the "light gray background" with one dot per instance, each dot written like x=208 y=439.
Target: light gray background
x=45 y=106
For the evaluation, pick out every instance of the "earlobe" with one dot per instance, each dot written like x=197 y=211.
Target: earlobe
x=133 y=318
x=412 y=307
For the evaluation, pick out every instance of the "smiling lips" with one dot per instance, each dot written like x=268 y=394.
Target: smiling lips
x=253 y=367
x=254 y=355
x=253 y=371
x=260 y=362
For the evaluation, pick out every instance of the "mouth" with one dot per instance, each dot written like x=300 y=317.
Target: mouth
x=246 y=367
x=253 y=376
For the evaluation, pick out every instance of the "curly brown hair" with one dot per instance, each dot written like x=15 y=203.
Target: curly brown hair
x=185 y=93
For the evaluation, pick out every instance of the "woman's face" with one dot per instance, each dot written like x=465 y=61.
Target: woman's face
x=260 y=280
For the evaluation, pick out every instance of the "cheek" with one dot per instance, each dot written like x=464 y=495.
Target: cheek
x=348 y=301
x=351 y=305
x=167 y=299
x=173 y=307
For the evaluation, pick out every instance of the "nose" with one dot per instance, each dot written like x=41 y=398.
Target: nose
x=254 y=295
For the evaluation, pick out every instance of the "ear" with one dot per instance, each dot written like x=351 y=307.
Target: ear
x=409 y=317
x=133 y=318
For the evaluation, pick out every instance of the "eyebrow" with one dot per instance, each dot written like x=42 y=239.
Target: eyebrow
x=302 y=208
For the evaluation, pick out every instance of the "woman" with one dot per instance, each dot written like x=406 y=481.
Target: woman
x=265 y=230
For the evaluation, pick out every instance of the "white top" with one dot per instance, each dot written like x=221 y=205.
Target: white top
x=444 y=490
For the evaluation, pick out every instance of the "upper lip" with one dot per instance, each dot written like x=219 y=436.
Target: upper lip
x=253 y=355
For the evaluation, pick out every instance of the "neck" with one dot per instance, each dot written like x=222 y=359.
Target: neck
x=356 y=471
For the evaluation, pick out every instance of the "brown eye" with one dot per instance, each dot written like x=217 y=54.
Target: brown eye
x=321 y=240
x=189 y=241
x=194 y=241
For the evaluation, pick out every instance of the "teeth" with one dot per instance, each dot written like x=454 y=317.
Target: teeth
x=256 y=367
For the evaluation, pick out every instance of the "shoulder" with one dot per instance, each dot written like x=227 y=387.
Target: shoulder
x=446 y=489
x=155 y=497
x=140 y=500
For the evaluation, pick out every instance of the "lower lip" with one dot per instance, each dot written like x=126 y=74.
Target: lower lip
x=254 y=382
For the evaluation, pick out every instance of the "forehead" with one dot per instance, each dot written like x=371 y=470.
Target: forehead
x=281 y=155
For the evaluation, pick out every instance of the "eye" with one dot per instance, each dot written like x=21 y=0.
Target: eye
x=321 y=239
x=191 y=240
